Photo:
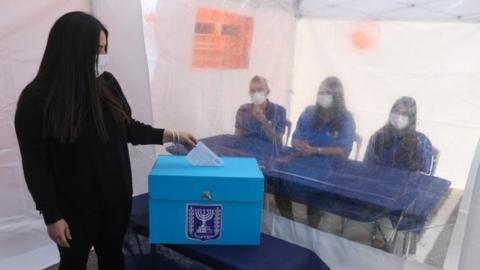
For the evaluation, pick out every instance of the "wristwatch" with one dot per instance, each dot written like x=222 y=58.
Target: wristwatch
x=319 y=150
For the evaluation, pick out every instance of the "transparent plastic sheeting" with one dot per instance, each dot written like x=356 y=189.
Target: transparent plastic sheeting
x=24 y=28
x=353 y=213
x=370 y=214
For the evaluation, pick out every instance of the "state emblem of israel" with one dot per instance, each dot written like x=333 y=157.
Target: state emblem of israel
x=204 y=221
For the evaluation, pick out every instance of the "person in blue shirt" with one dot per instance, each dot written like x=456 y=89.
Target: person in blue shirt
x=261 y=118
x=398 y=144
x=326 y=128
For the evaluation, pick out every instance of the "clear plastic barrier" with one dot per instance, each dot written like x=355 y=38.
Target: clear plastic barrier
x=362 y=115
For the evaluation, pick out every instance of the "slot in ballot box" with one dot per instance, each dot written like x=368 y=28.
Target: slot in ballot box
x=205 y=205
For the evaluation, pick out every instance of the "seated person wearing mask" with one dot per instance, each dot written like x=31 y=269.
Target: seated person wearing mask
x=261 y=118
x=326 y=128
x=398 y=144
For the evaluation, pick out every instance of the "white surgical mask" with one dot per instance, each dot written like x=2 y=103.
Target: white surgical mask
x=102 y=64
x=325 y=101
x=258 y=97
x=398 y=121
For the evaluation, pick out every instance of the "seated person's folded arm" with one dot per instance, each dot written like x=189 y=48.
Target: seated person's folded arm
x=300 y=140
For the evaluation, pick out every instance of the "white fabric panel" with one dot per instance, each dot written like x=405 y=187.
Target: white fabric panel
x=425 y=61
x=35 y=259
x=469 y=258
x=459 y=233
x=205 y=101
x=128 y=63
x=402 y=10
x=24 y=28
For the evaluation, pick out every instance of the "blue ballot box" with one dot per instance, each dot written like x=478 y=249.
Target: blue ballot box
x=205 y=205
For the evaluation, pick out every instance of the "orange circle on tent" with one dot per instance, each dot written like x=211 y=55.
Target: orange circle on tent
x=360 y=39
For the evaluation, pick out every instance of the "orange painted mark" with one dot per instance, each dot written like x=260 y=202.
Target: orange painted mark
x=360 y=39
x=221 y=40
x=364 y=35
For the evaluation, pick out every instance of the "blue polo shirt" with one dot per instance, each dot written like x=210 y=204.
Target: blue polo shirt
x=251 y=127
x=387 y=157
x=322 y=136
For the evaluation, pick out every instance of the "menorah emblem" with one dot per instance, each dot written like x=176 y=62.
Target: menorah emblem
x=203 y=221
x=204 y=215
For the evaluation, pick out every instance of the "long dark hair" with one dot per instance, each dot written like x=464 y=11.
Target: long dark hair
x=67 y=69
x=407 y=153
x=334 y=114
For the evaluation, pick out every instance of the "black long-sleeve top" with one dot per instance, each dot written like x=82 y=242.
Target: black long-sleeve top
x=86 y=175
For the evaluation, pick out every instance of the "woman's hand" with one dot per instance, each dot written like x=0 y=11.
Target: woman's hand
x=259 y=114
x=304 y=148
x=59 y=232
x=309 y=151
x=187 y=139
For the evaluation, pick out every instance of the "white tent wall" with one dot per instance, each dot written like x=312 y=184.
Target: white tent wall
x=397 y=10
x=24 y=27
x=463 y=249
x=436 y=63
x=458 y=234
x=205 y=101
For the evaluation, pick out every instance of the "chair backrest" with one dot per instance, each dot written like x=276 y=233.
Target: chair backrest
x=358 y=145
x=288 y=124
x=435 y=157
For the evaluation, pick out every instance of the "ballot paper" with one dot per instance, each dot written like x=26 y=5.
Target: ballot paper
x=201 y=155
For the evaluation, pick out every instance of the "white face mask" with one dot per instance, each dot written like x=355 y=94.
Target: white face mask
x=325 y=101
x=398 y=121
x=101 y=64
x=258 y=97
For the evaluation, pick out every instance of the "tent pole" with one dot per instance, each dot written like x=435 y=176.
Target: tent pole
x=296 y=8
x=93 y=7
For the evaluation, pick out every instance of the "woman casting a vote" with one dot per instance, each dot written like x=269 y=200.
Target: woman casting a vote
x=73 y=124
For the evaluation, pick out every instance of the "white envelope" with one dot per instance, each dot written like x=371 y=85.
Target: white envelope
x=201 y=155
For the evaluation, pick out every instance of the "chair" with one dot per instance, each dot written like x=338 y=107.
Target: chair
x=435 y=157
x=288 y=124
x=358 y=145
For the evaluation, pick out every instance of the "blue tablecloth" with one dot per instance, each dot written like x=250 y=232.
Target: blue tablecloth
x=273 y=253
x=345 y=187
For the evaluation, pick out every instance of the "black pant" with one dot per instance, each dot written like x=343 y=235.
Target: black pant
x=104 y=231
x=314 y=215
